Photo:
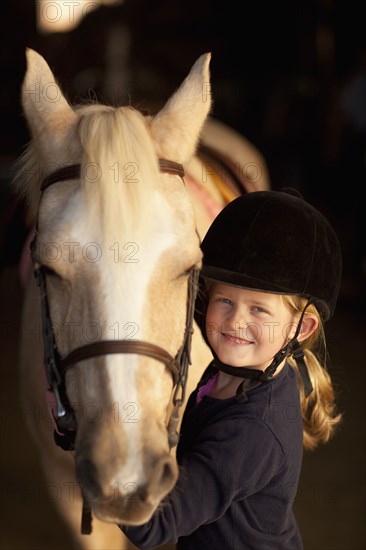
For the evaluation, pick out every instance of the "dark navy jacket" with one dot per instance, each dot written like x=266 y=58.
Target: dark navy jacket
x=239 y=471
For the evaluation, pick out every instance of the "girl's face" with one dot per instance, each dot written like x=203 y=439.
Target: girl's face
x=246 y=328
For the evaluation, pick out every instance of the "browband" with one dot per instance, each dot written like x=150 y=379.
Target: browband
x=73 y=171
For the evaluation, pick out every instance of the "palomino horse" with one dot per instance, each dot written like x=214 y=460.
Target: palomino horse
x=115 y=250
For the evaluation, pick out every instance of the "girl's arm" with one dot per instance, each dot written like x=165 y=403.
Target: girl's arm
x=221 y=469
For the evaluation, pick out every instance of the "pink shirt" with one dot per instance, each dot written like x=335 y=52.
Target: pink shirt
x=206 y=388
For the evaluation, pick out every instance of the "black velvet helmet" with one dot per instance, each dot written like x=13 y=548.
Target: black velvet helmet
x=277 y=242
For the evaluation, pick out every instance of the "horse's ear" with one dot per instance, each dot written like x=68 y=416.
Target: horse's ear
x=47 y=112
x=176 y=128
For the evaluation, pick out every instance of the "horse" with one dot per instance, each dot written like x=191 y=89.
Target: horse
x=120 y=201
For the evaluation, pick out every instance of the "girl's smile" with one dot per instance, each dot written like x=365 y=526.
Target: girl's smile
x=246 y=327
x=235 y=340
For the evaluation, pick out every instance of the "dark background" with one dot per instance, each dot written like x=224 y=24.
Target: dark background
x=290 y=76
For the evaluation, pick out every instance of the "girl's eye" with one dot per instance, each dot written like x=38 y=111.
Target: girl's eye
x=226 y=301
x=258 y=309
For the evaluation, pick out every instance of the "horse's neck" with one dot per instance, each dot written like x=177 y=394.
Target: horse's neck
x=206 y=199
x=209 y=191
x=226 y=166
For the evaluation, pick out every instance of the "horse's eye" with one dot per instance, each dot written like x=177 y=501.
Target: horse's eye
x=188 y=271
x=49 y=272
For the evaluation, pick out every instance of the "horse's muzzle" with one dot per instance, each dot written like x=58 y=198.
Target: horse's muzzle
x=128 y=502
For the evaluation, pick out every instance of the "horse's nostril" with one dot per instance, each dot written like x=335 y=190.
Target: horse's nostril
x=160 y=481
x=167 y=475
x=163 y=477
x=141 y=493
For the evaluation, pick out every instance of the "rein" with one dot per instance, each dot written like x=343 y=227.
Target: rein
x=57 y=366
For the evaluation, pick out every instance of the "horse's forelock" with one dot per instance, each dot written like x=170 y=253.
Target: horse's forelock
x=119 y=168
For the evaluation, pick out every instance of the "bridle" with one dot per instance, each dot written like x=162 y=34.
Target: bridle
x=56 y=366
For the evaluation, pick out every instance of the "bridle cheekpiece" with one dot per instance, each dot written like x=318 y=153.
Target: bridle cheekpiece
x=56 y=366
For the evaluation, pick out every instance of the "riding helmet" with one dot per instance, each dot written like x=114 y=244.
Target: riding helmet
x=277 y=242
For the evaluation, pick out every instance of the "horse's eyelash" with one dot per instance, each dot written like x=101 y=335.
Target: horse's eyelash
x=188 y=271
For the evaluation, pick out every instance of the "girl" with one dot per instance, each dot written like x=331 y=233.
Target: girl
x=270 y=277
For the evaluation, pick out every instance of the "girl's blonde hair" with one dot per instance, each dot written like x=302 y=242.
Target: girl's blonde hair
x=319 y=412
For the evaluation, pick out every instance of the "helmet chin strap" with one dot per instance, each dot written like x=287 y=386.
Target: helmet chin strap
x=254 y=377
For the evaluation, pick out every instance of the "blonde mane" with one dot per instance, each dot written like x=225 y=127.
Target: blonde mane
x=27 y=179
x=118 y=167
x=119 y=156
